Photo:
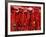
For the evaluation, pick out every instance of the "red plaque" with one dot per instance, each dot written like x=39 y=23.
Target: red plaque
x=25 y=18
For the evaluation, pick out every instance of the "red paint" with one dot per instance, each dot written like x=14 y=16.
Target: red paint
x=25 y=19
